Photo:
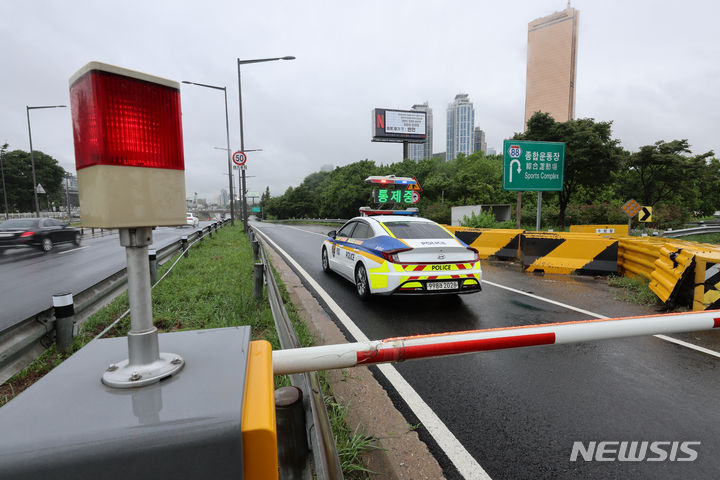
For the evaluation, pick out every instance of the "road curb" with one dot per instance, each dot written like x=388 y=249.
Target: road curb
x=401 y=454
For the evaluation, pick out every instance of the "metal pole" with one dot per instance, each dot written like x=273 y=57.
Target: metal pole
x=290 y=415
x=32 y=163
x=242 y=148
x=258 y=285
x=2 y=171
x=519 y=209
x=67 y=196
x=64 y=321
x=539 y=211
x=227 y=131
x=145 y=364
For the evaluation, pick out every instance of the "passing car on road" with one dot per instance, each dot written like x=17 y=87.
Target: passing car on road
x=401 y=254
x=191 y=220
x=41 y=233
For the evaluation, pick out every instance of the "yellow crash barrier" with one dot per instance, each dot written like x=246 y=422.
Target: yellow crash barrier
x=600 y=229
x=566 y=253
x=489 y=242
x=706 y=294
x=259 y=431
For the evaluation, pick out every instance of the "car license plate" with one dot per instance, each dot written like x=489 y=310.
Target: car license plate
x=442 y=285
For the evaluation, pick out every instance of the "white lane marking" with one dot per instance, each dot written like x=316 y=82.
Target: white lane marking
x=73 y=250
x=676 y=341
x=463 y=461
x=688 y=345
x=305 y=231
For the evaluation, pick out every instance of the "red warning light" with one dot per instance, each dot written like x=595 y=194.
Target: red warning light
x=125 y=121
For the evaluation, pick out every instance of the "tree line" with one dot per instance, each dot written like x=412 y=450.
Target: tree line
x=17 y=177
x=600 y=176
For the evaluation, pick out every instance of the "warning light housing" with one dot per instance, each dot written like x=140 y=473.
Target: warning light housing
x=127 y=133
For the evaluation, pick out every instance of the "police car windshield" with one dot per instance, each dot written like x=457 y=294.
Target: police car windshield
x=412 y=230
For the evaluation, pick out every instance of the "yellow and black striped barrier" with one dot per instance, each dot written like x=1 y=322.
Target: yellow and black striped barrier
x=490 y=242
x=566 y=253
x=706 y=292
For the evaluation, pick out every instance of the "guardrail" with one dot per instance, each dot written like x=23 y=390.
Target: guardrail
x=691 y=231
x=25 y=340
x=326 y=461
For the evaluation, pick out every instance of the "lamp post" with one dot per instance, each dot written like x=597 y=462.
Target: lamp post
x=32 y=155
x=2 y=172
x=67 y=195
x=242 y=136
x=227 y=132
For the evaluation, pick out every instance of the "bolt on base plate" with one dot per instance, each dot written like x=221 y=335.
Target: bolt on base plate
x=124 y=375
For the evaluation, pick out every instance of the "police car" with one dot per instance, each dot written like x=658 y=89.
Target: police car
x=398 y=253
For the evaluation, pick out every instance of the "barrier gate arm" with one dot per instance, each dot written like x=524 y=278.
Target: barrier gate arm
x=398 y=349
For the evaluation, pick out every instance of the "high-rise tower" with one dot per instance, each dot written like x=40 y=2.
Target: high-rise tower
x=551 y=65
x=460 y=127
x=418 y=151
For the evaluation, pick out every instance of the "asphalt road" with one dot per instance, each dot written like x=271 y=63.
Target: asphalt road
x=29 y=278
x=517 y=413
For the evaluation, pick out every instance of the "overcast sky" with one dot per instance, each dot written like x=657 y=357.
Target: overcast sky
x=652 y=67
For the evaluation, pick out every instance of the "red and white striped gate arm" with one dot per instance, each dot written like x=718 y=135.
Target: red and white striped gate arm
x=328 y=357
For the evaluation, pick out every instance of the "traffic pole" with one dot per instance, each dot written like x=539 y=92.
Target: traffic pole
x=64 y=321
x=399 y=349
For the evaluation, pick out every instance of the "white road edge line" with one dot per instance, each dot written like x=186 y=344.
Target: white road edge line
x=463 y=461
x=73 y=250
x=676 y=341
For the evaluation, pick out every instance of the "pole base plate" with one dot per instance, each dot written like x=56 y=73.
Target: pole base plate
x=124 y=375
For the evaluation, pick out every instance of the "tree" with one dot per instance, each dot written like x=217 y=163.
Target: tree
x=591 y=154
x=664 y=171
x=18 y=179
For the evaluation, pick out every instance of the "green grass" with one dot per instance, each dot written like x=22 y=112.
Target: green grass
x=713 y=238
x=213 y=288
x=633 y=290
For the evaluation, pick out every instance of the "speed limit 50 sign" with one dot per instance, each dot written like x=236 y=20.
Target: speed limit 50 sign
x=239 y=158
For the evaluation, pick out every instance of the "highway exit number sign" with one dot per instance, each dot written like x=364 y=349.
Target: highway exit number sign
x=533 y=166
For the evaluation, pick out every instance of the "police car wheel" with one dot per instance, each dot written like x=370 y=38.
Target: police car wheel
x=361 y=283
x=325 y=262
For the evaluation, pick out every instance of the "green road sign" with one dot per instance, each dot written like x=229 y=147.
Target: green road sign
x=533 y=166
x=255 y=209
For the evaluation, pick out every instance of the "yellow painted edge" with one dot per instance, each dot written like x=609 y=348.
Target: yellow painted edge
x=259 y=434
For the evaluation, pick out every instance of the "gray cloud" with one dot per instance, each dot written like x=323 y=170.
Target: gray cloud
x=649 y=66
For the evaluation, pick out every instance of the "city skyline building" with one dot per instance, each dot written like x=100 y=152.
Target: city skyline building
x=419 y=151
x=551 y=65
x=460 y=126
x=479 y=141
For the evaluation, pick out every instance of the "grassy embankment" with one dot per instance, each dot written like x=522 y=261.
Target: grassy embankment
x=213 y=288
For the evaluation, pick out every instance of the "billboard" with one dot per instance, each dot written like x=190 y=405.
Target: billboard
x=399 y=125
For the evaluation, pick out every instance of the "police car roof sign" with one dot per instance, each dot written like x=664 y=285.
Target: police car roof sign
x=127 y=132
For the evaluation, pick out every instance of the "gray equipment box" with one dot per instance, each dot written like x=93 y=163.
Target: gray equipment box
x=69 y=425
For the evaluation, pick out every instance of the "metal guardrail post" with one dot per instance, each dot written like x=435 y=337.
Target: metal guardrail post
x=64 y=321
x=258 y=284
x=183 y=245
x=290 y=419
x=152 y=258
x=256 y=250
x=200 y=235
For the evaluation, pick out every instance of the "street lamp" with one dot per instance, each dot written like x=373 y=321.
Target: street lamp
x=2 y=173
x=32 y=156
x=242 y=136
x=227 y=131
